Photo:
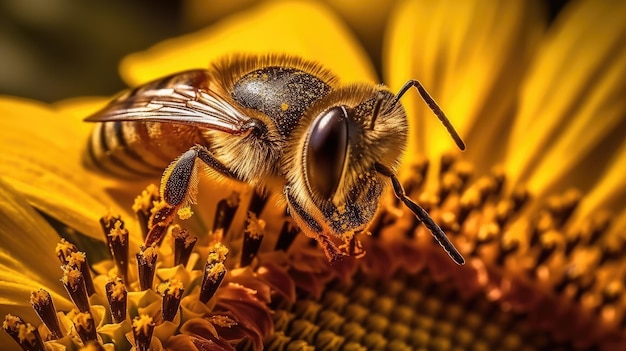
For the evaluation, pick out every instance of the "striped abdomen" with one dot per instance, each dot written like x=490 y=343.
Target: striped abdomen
x=136 y=149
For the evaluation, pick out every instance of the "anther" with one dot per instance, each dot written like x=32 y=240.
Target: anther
x=143 y=328
x=117 y=297
x=74 y=283
x=172 y=292
x=25 y=334
x=85 y=327
x=252 y=238
x=117 y=240
x=143 y=205
x=214 y=272
x=183 y=245
x=146 y=265
x=44 y=307
x=68 y=254
x=286 y=237
x=225 y=212
x=162 y=217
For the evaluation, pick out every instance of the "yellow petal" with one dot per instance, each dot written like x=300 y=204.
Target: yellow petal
x=573 y=98
x=367 y=20
x=610 y=190
x=41 y=158
x=301 y=28
x=470 y=56
x=27 y=259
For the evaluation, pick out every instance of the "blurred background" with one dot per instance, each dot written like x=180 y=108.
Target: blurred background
x=56 y=49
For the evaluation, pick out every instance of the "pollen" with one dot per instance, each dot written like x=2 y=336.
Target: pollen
x=284 y=106
x=185 y=212
x=142 y=324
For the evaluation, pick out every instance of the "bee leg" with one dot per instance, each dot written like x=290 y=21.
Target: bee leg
x=352 y=246
x=311 y=228
x=179 y=188
x=422 y=215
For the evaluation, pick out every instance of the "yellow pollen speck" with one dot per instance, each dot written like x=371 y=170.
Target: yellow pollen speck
x=255 y=226
x=185 y=212
x=40 y=296
x=172 y=287
x=222 y=321
x=265 y=77
x=118 y=290
x=143 y=201
x=148 y=253
x=214 y=271
x=76 y=258
x=71 y=275
x=218 y=254
x=157 y=206
x=284 y=106
x=26 y=332
x=83 y=319
x=119 y=233
x=142 y=323
x=64 y=247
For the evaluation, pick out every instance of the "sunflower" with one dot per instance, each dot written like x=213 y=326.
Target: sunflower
x=536 y=204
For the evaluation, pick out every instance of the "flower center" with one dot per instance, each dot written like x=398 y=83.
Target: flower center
x=531 y=273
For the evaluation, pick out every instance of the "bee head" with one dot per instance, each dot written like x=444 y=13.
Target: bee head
x=336 y=148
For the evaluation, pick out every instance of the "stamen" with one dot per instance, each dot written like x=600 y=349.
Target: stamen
x=68 y=254
x=214 y=272
x=225 y=212
x=183 y=245
x=117 y=239
x=252 y=238
x=117 y=297
x=85 y=327
x=172 y=292
x=143 y=205
x=25 y=334
x=162 y=217
x=146 y=264
x=287 y=235
x=257 y=203
x=44 y=306
x=143 y=327
x=74 y=283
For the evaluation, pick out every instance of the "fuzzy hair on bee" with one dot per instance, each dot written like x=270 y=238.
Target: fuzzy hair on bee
x=281 y=124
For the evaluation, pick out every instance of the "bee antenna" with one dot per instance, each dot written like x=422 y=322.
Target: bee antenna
x=380 y=97
x=422 y=215
x=433 y=106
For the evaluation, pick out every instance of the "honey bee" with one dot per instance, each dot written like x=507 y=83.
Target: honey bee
x=280 y=123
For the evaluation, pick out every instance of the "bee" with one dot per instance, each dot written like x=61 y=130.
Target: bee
x=280 y=123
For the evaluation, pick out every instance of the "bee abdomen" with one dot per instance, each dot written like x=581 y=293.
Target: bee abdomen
x=137 y=149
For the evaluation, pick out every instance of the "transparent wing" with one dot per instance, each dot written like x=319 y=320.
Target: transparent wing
x=183 y=98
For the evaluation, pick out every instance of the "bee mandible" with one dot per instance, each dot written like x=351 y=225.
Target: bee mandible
x=280 y=123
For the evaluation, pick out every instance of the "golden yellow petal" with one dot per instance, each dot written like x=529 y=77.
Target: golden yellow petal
x=301 y=28
x=573 y=97
x=610 y=190
x=367 y=20
x=41 y=158
x=27 y=258
x=470 y=56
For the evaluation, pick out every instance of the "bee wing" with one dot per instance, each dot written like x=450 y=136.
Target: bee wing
x=180 y=102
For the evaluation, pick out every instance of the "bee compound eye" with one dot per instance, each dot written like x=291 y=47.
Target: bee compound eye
x=326 y=150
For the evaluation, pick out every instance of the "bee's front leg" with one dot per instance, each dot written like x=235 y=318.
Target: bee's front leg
x=179 y=186
x=312 y=228
x=351 y=245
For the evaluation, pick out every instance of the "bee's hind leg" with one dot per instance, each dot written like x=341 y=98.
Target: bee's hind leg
x=179 y=186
